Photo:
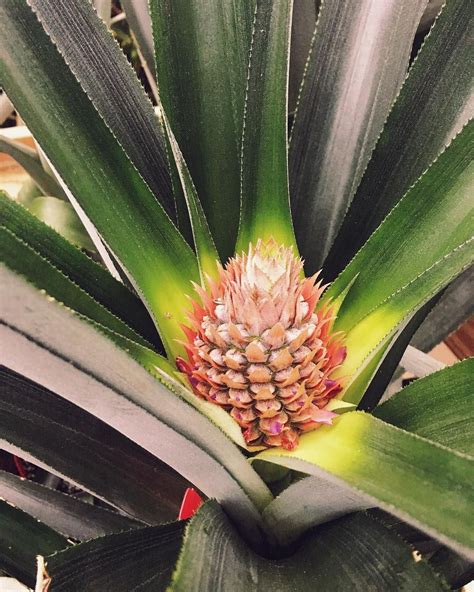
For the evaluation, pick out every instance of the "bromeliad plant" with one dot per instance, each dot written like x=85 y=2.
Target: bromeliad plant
x=205 y=345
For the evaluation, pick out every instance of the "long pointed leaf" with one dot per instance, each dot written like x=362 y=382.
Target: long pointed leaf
x=44 y=428
x=64 y=513
x=108 y=383
x=419 y=248
x=96 y=169
x=31 y=162
x=435 y=102
x=265 y=208
x=357 y=64
x=396 y=469
x=112 y=86
x=373 y=559
x=65 y=262
x=21 y=539
x=305 y=14
x=21 y=258
x=206 y=251
x=141 y=560
x=438 y=407
x=390 y=362
x=381 y=327
x=85 y=273
x=201 y=51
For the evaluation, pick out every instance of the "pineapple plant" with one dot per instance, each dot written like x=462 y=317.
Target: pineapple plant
x=263 y=268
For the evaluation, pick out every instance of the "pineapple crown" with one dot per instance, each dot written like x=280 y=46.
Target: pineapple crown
x=258 y=347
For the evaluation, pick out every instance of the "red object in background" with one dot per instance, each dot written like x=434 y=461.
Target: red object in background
x=190 y=504
x=20 y=467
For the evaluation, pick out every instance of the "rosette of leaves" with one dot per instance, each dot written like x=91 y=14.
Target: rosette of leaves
x=372 y=186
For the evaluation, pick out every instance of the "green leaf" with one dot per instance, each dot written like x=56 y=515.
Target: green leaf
x=141 y=560
x=433 y=105
x=390 y=361
x=112 y=86
x=438 y=407
x=22 y=538
x=88 y=370
x=419 y=248
x=22 y=259
x=81 y=270
x=357 y=63
x=30 y=161
x=265 y=208
x=214 y=557
x=182 y=214
x=309 y=502
x=455 y=569
x=396 y=469
x=454 y=307
x=64 y=513
x=39 y=426
x=201 y=51
x=305 y=14
x=206 y=251
x=138 y=17
x=61 y=216
x=96 y=169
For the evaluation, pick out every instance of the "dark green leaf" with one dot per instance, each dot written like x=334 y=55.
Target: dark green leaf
x=433 y=105
x=112 y=86
x=62 y=512
x=96 y=169
x=82 y=271
x=21 y=258
x=87 y=369
x=419 y=248
x=394 y=468
x=354 y=553
x=455 y=306
x=202 y=51
x=309 y=502
x=182 y=213
x=439 y=407
x=206 y=251
x=138 y=561
x=305 y=14
x=31 y=162
x=22 y=538
x=265 y=208
x=52 y=433
x=455 y=569
x=357 y=64
x=379 y=383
